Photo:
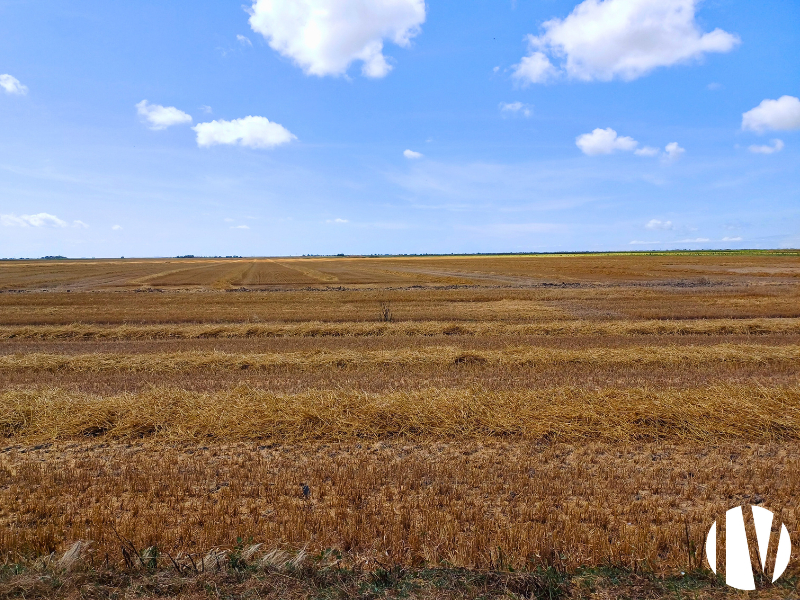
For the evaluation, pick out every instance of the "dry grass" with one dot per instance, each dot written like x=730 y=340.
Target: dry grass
x=314 y=577
x=728 y=412
x=427 y=329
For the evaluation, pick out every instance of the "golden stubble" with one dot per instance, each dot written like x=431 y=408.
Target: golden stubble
x=477 y=504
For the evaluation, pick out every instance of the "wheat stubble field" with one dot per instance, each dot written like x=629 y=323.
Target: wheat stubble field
x=576 y=418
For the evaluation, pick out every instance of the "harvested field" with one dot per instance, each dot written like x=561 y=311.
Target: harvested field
x=687 y=268
x=534 y=412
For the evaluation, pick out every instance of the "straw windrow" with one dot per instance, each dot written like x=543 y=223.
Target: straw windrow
x=429 y=356
x=566 y=414
x=405 y=328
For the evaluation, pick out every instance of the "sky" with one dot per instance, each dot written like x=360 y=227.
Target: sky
x=291 y=127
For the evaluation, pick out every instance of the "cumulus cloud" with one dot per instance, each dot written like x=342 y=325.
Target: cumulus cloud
x=240 y=227
x=116 y=227
x=160 y=117
x=673 y=151
x=619 y=39
x=38 y=220
x=777 y=146
x=337 y=220
x=516 y=108
x=732 y=239
x=254 y=132
x=658 y=224
x=534 y=68
x=11 y=85
x=411 y=154
x=604 y=141
x=782 y=114
x=324 y=37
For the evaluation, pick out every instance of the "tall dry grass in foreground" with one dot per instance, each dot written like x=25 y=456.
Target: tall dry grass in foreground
x=723 y=412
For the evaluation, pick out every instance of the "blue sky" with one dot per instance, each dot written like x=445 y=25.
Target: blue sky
x=531 y=126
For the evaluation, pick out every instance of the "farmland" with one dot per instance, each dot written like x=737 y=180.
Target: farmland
x=501 y=414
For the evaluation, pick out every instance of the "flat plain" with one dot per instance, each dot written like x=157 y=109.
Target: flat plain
x=500 y=414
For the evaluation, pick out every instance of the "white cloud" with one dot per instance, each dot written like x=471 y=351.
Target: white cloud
x=411 y=154
x=620 y=39
x=244 y=40
x=604 y=141
x=781 y=114
x=116 y=227
x=206 y=109
x=160 y=117
x=325 y=36
x=732 y=239
x=254 y=132
x=228 y=220
x=777 y=146
x=516 y=108
x=37 y=220
x=673 y=151
x=534 y=68
x=337 y=221
x=646 y=151
x=694 y=241
x=80 y=224
x=12 y=85
x=642 y=243
x=713 y=86
x=658 y=224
